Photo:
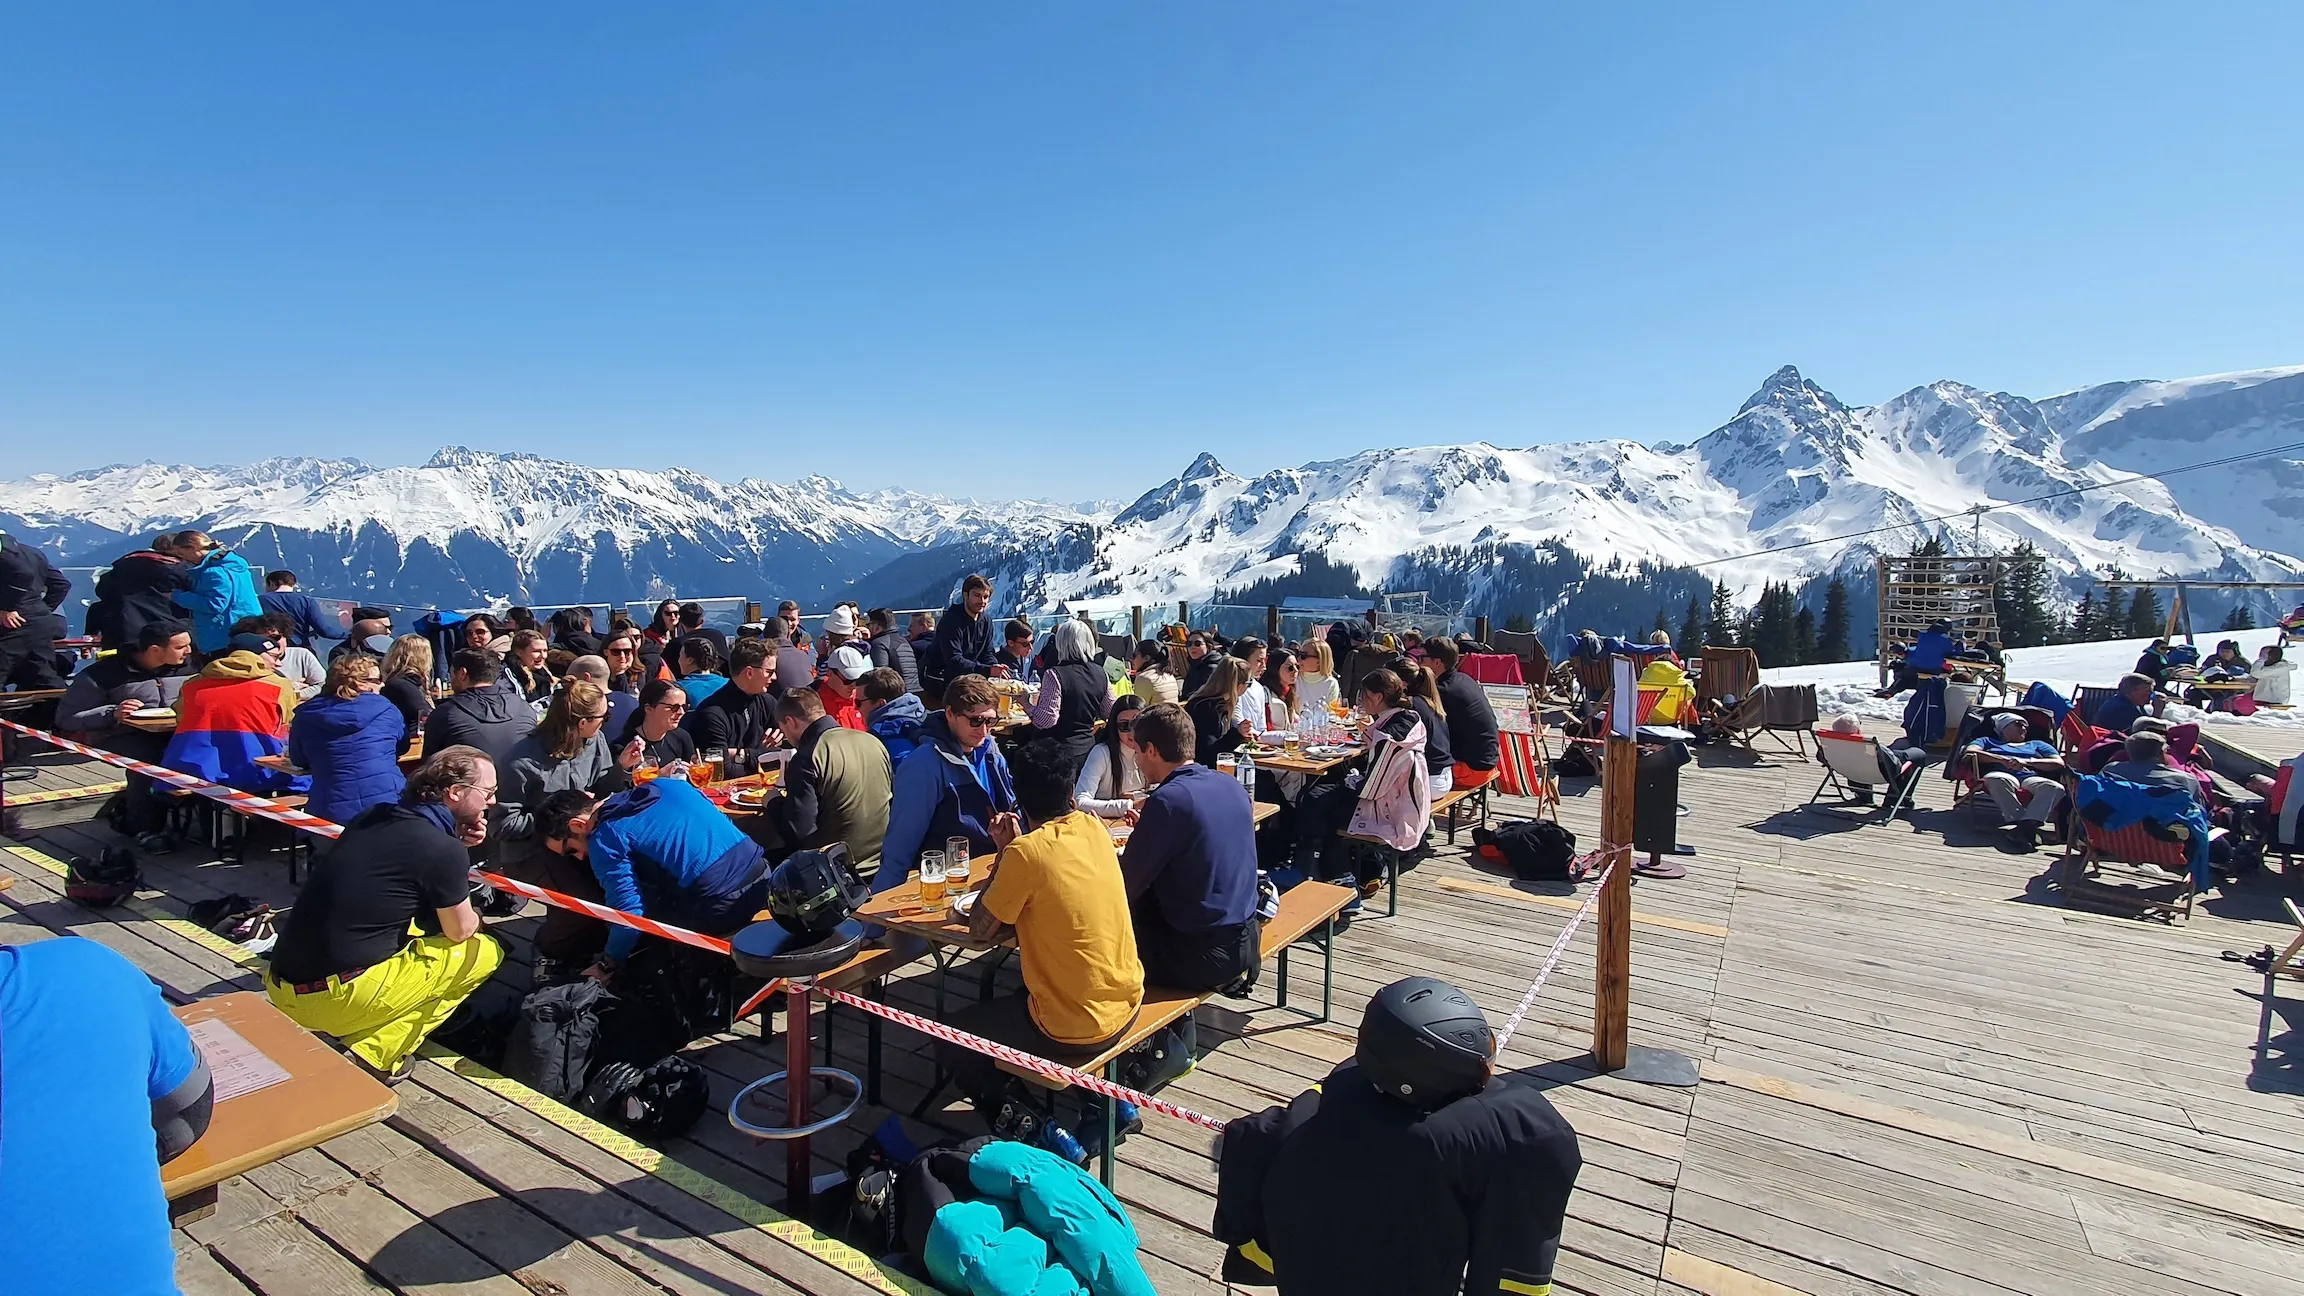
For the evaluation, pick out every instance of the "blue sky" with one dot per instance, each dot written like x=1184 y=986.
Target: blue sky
x=1059 y=249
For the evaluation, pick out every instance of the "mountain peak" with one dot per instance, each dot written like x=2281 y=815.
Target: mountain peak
x=1203 y=468
x=1785 y=388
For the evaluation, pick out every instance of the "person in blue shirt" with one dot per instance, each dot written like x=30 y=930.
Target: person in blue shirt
x=2135 y=699
x=2024 y=777
x=1190 y=865
x=222 y=589
x=951 y=785
x=92 y=1067
x=660 y=850
x=892 y=713
x=311 y=618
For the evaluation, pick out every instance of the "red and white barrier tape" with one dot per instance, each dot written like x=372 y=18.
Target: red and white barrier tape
x=1559 y=946
x=266 y=808
x=1019 y=1058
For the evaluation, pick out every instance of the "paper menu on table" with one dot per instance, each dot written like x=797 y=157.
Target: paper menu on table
x=239 y=1067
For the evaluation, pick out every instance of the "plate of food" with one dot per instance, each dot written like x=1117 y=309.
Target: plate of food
x=1326 y=751
x=153 y=713
x=1258 y=751
x=749 y=798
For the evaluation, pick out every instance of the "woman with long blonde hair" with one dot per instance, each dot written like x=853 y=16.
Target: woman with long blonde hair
x=408 y=679
x=1316 y=685
x=1214 y=726
x=566 y=751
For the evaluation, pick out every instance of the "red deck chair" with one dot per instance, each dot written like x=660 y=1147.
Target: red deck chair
x=2094 y=851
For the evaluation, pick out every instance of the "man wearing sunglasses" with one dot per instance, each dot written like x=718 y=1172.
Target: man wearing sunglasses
x=952 y=785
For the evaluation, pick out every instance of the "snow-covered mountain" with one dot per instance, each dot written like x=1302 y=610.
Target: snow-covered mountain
x=1777 y=488
x=469 y=527
x=1796 y=485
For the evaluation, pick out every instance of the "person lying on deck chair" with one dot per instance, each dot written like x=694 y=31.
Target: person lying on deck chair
x=1056 y=884
x=1900 y=763
x=2024 y=777
x=1476 y=1169
x=345 y=964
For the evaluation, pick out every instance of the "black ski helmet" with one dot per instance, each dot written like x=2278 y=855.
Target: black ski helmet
x=1424 y=1042
x=811 y=894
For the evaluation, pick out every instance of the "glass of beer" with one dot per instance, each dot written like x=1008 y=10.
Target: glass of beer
x=956 y=862
x=707 y=766
x=932 y=878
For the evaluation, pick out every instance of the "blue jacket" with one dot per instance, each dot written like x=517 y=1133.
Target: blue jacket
x=942 y=791
x=312 y=620
x=2048 y=700
x=223 y=591
x=1929 y=652
x=660 y=837
x=352 y=747
x=2113 y=804
x=897 y=726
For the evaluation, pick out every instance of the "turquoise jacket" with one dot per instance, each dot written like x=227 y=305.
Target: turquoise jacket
x=223 y=591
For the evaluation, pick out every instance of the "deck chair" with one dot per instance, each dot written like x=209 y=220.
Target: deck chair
x=2131 y=853
x=1854 y=761
x=1788 y=709
x=1727 y=673
x=2088 y=698
x=2284 y=965
x=1592 y=681
x=1962 y=768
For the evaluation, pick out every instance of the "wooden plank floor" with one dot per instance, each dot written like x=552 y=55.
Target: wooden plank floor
x=1921 y=1076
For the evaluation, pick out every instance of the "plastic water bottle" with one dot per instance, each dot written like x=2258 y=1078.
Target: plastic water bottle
x=1246 y=766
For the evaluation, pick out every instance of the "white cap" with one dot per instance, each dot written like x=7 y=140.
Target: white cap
x=841 y=622
x=852 y=664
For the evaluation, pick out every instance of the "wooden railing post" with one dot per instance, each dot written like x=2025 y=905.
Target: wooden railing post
x=1136 y=623
x=1612 y=982
x=1480 y=629
x=1272 y=625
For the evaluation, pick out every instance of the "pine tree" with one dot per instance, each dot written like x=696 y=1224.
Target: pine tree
x=1518 y=623
x=1721 y=632
x=2087 y=614
x=2111 y=614
x=1663 y=619
x=1803 y=637
x=1691 y=637
x=2020 y=601
x=1832 y=635
x=2144 y=618
x=2241 y=617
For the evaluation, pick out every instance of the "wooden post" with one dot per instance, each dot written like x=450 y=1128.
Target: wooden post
x=1612 y=982
x=1136 y=623
x=1480 y=629
x=1271 y=626
x=1184 y=615
x=751 y=613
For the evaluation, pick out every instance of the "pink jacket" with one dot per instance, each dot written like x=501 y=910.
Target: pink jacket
x=1396 y=795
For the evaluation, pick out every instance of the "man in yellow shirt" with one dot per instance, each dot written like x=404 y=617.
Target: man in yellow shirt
x=1056 y=883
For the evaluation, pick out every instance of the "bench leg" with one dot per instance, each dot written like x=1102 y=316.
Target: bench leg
x=192 y=1207
x=1111 y=1126
x=878 y=993
x=1391 y=884
x=1282 y=988
x=1328 y=967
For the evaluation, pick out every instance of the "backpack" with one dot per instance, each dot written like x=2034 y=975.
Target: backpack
x=111 y=879
x=1535 y=851
x=550 y=1047
x=667 y=997
x=1576 y=762
x=657 y=1101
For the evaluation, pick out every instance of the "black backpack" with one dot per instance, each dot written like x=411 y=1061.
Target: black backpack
x=1535 y=851
x=657 y=1101
x=550 y=1047
x=112 y=878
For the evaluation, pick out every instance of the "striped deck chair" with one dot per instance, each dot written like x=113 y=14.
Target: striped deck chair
x=2161 y=874
x=1854 y=761
x=1524 y=768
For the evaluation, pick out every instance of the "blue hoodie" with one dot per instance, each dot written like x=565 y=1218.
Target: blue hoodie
x=223 y=591
x=897 y=725
x=664 y=836
x=941 y=791
x=352 y=746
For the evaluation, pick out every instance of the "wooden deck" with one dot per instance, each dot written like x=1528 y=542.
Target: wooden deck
x=1921 y=1075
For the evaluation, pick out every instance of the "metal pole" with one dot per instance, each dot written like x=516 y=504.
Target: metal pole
x=1612 y=988
x=1136 y=623
x=798 y=1079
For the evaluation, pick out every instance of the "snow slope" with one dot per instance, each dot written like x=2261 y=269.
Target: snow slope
x=1848 y=686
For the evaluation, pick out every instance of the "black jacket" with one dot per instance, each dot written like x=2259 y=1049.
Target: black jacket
x=1473 y=1195
x=962 y=646
x=1213 y=730
x=894 y=651
x=137 y=588
x=491 y=718
x=29 y=583
x=731 y=718
x=1471 y=721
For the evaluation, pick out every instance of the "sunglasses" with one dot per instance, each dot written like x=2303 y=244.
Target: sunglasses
x=593 y=715
x=620 y=652
x=670 y=706
x=979 y=721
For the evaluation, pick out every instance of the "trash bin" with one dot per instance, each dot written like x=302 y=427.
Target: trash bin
x=1656 y=800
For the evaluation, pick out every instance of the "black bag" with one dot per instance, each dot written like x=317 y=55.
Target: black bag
x=550 y=1047
x=112 y=878
x=1576 y=762
x=1535 y=851
x=659 y=1101
x=667 y=997
x=929 y=1182
x=482 y=1024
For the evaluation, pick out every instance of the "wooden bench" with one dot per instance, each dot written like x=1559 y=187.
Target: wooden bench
x=867 y=974
x=1306 y=906
x=1444 y=806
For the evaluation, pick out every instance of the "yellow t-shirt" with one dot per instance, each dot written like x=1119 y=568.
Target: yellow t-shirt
x=1059 y=886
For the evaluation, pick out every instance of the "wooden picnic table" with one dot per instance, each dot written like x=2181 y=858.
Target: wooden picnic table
x=1282 y=762
x=409 y=759
x=157 y=720
x=18 y=699
x=323 y=1096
